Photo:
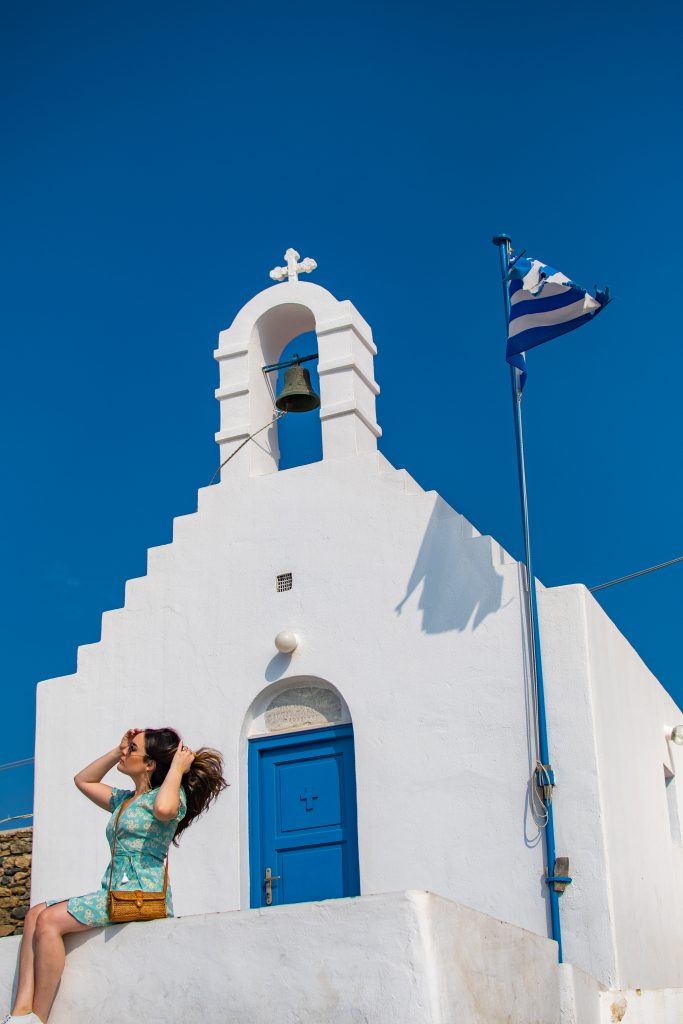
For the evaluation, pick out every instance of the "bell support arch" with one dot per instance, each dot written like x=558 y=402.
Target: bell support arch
x=257 y=337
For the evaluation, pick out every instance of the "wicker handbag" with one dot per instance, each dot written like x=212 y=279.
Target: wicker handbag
x=125 y=906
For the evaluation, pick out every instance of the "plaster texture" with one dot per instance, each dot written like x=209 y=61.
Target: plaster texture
x=403 y=958
x=580 y=996
x=639 y=1006
x=416 y=623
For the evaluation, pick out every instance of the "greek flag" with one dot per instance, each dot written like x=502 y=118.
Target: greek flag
x=543 y=305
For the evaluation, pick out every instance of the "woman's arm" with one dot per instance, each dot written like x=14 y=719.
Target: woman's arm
x=167 y=800
x=88 y=779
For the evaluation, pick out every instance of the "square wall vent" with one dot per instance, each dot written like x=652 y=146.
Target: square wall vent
x=283 y=582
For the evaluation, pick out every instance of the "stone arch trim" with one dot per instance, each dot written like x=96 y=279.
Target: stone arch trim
x=296 y=704
x=257 y=337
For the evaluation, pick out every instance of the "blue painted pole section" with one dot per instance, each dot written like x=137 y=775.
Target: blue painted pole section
x=504 y=248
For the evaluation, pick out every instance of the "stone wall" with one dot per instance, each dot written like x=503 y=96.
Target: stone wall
x=15 y=879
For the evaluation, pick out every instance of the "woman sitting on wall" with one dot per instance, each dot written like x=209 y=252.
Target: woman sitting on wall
x=173 y=785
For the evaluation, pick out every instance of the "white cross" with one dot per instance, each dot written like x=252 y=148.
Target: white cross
x=293 y=269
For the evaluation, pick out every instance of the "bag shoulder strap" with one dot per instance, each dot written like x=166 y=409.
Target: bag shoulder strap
x=113 y=849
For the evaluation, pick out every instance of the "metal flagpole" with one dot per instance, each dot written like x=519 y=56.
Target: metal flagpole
x=544 y=773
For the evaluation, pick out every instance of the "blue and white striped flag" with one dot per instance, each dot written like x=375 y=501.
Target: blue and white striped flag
x=543 y=305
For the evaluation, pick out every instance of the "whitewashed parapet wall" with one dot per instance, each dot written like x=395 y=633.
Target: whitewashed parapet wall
x=401 y=958
x=257 y=337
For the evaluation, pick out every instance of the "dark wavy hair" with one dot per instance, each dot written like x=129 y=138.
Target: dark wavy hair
x=203 y=783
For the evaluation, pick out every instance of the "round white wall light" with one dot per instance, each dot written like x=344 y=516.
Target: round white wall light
x=286 y=642
x=676 y=734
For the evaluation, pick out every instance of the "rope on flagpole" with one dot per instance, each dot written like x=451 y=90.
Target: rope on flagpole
x=544 y=780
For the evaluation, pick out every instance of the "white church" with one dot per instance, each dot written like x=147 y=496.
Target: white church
x=355 y=648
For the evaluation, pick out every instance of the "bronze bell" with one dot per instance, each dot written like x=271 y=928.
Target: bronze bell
x=297 y=395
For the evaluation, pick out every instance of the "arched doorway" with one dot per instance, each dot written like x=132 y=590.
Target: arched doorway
x=303 y=833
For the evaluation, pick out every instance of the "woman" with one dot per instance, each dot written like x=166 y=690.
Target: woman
x=173 y=785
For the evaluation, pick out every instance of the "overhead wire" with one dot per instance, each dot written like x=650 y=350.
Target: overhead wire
x=633 y=575
x=21 y=763
x=16 y=764
x=15 y=817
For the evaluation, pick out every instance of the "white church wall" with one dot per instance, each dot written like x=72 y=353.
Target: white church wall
x=415 y=622
x=622 y=917
x=580 y=996
x=586 y=905
x=410 y=620
x=436 y=695
x=640 y=1006
x=645 y=858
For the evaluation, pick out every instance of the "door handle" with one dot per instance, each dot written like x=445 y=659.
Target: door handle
x=268 y=881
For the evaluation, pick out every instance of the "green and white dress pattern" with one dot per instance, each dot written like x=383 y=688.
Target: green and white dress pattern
x=141 y=849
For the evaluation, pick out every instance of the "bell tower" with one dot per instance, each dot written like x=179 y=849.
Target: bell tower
x=256 y=339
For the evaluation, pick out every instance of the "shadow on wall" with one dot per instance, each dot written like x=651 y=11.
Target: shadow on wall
x=460 y=583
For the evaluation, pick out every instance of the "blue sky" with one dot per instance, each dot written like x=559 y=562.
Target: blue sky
x=158 y=161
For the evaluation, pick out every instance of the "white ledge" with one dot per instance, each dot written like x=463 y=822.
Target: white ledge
x=400 y=958
x=342 y=322
x=241 y=349
x=232 y=390
x=344 y=363
x=236 y=434
x=344 y=408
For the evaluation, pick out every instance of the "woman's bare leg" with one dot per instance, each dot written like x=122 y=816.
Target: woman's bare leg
x=51 y=927
x=23 y=1002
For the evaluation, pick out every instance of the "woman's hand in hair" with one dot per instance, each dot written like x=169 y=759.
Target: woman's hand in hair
x=167 y=800
x=183 y=758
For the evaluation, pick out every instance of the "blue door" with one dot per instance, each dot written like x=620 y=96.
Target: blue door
x=302 y=817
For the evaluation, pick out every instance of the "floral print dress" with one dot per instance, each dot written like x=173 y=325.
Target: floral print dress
x=141 y=849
